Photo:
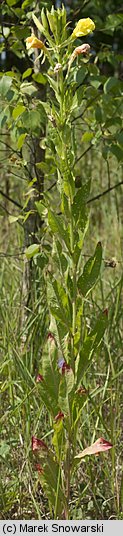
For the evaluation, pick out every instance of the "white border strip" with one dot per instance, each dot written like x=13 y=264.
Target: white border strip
x=23 y=527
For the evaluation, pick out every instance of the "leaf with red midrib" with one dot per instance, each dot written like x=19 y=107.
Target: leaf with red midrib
x=100 y=445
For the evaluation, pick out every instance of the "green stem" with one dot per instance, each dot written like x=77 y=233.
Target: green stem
x=68 y=478
x=58 y=482
x=64 y=155
x=71 y=228
x=74 y=284
x=74 y=299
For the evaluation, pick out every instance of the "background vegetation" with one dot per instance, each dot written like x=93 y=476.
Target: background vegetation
x=26 y=173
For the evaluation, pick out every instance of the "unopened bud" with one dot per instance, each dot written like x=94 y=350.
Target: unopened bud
x=57 y=67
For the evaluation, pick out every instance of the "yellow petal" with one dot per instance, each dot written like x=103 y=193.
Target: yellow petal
x=83 y=27
x=33 y=42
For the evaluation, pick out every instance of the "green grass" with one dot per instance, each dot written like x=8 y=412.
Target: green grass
x=97 y=491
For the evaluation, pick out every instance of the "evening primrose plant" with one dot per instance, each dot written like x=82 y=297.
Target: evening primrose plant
x=71 y=343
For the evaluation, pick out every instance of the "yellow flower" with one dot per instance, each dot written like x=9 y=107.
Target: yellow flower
x=83 y=27
x=33 y=42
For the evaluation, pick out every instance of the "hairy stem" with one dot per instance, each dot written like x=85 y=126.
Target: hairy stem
x=74 y=284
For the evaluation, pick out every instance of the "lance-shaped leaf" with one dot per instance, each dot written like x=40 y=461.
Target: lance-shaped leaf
x=54 y=86
x=58 y=303
x=100 y=445
x=80 y=217
x=68 y=183
x=91 y=271
x=79 y=203
x=66 y=390
x=52 y=484
x=49 y=387
x=56 y=227
x=49 y=474
x=57 y=440
x=79 y=400
x=48 y=398
x=38 y=23
x=90 y=344
x=79 y=208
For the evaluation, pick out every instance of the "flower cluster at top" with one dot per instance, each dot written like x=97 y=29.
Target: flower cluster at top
x=83 y=27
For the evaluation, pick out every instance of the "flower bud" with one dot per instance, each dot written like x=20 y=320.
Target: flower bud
x=57 y=67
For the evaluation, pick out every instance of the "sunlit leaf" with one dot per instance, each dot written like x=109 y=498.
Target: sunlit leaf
x=32 y=250
x=18 y=110
x=5 y=84
x=21 y=140
x=39 y=78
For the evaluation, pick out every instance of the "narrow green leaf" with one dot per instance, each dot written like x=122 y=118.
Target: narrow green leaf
x=90 y=345
x=58 y=303
x=80 y=200
x=65 y=388
x=91 y=272
x=56 y=226
x=58 y=437
x=49 y=481
x=51 y=375
x=37 y=23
